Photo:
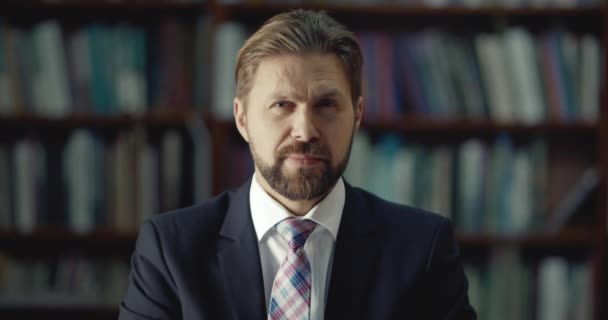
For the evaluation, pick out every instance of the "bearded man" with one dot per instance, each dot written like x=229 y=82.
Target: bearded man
x=296 y=241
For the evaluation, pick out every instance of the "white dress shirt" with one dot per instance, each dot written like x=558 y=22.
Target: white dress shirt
x=319 y=247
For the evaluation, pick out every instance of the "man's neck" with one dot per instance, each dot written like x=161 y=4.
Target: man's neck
x=297 y=208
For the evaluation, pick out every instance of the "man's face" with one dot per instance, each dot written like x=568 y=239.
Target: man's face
x=299 y=121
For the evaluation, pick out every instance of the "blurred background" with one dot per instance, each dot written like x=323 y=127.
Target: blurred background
x=492 y=113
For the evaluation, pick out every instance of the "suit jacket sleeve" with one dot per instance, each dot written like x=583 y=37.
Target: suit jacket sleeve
x=446 y=283
x=151 y=293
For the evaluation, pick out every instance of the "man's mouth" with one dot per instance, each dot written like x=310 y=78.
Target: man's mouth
x=304 y=159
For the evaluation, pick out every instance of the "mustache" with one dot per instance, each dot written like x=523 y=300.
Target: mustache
x=306 y=148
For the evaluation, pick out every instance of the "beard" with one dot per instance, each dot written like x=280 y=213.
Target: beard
x=308 y=182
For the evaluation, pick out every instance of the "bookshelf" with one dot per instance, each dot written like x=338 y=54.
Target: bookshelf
x=584 y=240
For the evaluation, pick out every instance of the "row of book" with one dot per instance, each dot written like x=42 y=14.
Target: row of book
x=438 y=3
x=68 y=281
x=94 y=182
x=104 y=68
x=494 y=187
x=507 y=287
x=506 y=77
x=510 y=76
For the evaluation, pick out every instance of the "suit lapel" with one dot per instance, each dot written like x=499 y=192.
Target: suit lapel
x=355 y=260
x=239 y=260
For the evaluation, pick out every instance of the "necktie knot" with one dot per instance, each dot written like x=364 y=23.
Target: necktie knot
x=295 y=231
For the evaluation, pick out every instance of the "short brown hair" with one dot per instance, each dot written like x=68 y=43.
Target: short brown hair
x=299 y=32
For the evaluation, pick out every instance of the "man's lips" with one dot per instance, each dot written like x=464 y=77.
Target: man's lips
x=304 y=159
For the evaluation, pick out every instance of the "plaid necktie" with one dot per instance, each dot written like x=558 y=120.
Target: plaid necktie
x=290 y=295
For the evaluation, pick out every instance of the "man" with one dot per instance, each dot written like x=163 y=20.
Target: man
x=296 y=241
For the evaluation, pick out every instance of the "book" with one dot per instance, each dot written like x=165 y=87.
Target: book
x=50 y=82
x=524 y=80
x=171 y=159
x=148 y=179
x=553 y=289
x=5 y=188
x=229 y=37
x=27 y=162
x=589 y=78
x=495 y=76
x=472 y=156
x=202 y=164
x=356 y=172
x=78 y=166
x=7 y=99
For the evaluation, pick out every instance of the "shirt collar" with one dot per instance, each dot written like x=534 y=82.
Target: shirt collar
x=266 y=211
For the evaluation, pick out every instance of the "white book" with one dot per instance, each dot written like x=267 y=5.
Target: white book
x=78 y=168
x=52 y=93
x=228 y=39
x=202 y=166
x=5 y=188
x=553 y=289
x=171 y=152
x=522 y=193
x=403 y=173
x=589 y=78
x=25 y=156
x=525 y=80
x=357 y=170
x=495 y=77
x=441 y=172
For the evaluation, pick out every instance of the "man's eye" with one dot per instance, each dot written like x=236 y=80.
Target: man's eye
x=281 y=104
x=327 y=103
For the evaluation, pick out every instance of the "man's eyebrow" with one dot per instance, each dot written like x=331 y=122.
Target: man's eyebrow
x=316 y=94
x=326 y=93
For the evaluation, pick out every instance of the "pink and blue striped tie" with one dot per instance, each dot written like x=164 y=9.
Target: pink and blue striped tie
x=290 y=295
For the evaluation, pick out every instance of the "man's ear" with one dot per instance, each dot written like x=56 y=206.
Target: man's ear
x=240 y=118
x=358 y=112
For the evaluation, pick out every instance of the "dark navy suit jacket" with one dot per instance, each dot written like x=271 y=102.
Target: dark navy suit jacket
x=390 y=262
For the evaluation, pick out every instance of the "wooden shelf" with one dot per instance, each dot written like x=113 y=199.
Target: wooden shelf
x=407 y=125
x=577 y=238
x=476 y=127
x=61 y=236
x=105 y=5
x=160 y=119
x=63 y=312
x=415 y=10
x=59 y=240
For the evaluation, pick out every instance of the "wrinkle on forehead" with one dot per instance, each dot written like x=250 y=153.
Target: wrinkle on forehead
x=309 y=84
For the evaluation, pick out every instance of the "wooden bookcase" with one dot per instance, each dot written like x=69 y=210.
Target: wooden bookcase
x=591 y=238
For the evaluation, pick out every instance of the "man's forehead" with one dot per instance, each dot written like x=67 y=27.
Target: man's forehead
x=289 y=80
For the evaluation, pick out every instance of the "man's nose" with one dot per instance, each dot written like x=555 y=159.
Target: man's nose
x=304 y=126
